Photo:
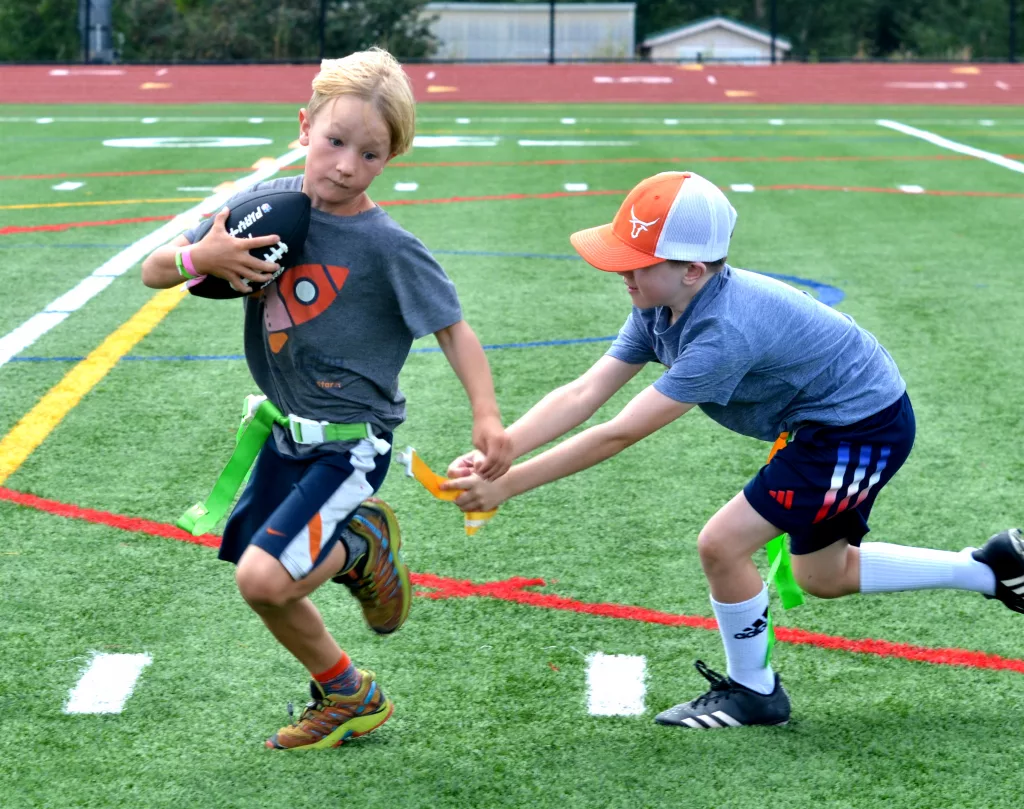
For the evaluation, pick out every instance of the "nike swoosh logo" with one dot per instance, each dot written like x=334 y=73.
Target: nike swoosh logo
x=275 y=532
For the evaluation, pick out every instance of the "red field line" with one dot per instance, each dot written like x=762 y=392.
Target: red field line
x=134 y=524
x=514 y=590
x=870 y=190
x=490 y=163
x=12 y=229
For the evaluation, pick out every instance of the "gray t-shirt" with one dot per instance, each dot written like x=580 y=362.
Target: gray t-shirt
x=761 y=357
x=328 y=338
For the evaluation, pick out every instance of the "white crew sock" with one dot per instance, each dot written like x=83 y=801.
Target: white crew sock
x=746 y=653
x=887 y=568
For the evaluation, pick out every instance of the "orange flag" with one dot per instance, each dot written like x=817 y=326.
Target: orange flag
x=416 y=467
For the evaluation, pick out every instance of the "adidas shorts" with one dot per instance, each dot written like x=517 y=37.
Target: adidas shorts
x=820 y=487
x=295 y=508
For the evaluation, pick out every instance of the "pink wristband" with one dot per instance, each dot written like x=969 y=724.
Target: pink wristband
x=186 y=260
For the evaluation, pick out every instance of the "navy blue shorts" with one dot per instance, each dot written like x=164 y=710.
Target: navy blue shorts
x=295 y=508
x=820 y=487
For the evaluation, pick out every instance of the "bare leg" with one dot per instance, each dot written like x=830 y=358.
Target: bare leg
x=283 y=604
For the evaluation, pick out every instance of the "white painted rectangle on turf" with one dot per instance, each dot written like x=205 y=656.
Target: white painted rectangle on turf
x=911 y=189
x=106 y=683
x=68 y=186
x=575 y=186
x=744 y=188
x=568 y=120
x=406 y=186
x=616 y=684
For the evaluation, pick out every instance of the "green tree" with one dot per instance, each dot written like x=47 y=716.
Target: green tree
x=39 y=31
x=399 y=26
x=268 y=30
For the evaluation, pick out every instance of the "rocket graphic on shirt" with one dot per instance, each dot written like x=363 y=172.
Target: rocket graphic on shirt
x=300 y=295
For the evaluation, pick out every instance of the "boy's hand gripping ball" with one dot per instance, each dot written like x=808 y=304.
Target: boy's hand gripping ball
x=259 y=213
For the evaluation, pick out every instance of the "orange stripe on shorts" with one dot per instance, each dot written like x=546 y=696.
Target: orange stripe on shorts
x=315 y=530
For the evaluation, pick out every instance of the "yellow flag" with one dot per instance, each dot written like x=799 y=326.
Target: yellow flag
x=416 y=467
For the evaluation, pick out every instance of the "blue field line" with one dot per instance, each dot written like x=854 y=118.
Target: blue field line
x=827 y=294
x=499 y=254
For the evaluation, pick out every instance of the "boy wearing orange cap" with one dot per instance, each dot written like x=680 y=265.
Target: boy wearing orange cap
x=760 y=358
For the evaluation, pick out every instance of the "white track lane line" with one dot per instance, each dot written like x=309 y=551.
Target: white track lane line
x=616 y=684
x=106 y=683
x=21 y=337
x=952 y=145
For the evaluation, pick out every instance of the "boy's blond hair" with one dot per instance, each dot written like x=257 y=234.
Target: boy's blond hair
x=376 y=77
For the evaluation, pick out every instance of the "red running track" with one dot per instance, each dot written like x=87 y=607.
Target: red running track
x=796 y=83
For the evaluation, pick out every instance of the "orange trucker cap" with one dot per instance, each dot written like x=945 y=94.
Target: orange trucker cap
x=675 y=215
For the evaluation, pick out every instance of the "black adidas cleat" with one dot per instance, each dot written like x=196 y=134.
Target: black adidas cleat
x=728 y=704
x=1004 y=553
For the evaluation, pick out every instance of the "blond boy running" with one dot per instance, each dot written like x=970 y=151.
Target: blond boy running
x=760 y=358
x=325 y=343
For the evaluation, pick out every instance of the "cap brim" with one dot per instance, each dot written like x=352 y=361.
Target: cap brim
x=601 y=248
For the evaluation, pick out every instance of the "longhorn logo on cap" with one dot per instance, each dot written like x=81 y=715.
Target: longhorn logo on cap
x=639 y=226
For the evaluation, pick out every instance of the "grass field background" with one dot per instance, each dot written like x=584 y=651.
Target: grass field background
x=491 y=695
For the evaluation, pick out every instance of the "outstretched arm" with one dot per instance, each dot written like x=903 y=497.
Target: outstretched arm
x=561 y=410
x=466 y=356
x=646 y=413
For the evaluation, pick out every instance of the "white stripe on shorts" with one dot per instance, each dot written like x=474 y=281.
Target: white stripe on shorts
x=297 y=557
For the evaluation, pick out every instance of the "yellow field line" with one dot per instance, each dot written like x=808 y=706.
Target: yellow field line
x=41 y=420
x=97 y=202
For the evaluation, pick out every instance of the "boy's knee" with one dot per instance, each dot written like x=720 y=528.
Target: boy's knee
x=715 y=550
x=260 y=590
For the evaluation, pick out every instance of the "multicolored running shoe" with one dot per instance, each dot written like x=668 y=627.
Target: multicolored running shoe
x=380 y=580
x=330 y=720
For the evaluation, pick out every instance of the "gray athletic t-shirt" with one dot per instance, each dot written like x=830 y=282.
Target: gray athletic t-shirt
x=328 y=338
x=761 y=357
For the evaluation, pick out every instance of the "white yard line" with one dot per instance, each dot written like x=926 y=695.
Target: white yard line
x=496 y=119
x=952 y=145
x=23 y=336
x=106 y=683
x=616 y=684
x=576 y=143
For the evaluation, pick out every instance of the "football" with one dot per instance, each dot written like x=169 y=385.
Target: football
x=259 y=213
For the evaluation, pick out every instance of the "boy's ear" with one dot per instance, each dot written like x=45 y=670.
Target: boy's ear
x=695 y=270
x=304 y=124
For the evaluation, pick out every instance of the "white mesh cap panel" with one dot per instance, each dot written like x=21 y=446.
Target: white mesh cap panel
x=698 y=225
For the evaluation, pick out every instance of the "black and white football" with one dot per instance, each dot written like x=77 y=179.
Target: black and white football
x=259 y=213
